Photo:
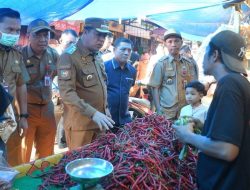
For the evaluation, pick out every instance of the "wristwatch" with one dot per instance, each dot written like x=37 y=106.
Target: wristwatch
x=25 y=115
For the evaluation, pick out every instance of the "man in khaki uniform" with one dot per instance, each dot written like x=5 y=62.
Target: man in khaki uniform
x=67 y=40
x=169 y=77
x=82 y=86
x=40 y=61
x=13 y=77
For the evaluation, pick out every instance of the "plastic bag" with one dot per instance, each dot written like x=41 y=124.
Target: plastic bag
x=7 y=125
x=7 y=174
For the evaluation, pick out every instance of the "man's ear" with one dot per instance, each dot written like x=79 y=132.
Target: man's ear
x=28 y=36
x=86 y=31
x=216 y=55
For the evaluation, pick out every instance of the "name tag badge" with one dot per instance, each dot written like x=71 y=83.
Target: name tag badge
x=47 y=80
x=170 y=69
x=170 y=81
x=129 y=79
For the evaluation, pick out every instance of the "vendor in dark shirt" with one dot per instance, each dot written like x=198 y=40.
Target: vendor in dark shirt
x=121 y=77
x=224 y=158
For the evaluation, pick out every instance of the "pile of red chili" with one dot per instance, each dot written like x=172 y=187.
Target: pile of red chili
x=144 y=154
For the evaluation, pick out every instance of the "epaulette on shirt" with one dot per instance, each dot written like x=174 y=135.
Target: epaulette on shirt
x=71 y=49
x=186 y=59
x=163 y=58
x=190 y=61
x=18 y=48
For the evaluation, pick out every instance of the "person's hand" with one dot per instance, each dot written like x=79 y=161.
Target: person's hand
x=103 y=121
x=22 y=127
x=183 y=132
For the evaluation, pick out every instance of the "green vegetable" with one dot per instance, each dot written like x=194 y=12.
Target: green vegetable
x=184 y=152
x=180 y=122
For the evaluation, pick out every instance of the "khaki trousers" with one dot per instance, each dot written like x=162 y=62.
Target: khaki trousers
x=171 y=113
x=77 y=138
x=41 y=131
x=14 y=153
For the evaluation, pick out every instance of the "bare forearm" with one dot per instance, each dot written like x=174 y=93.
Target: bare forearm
x=217 y=149
x=21 y=93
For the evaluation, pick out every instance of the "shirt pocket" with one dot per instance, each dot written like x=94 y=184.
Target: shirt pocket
x=16 y=68
x=192 y=70
x=89 y=78
x=52 y=68
x=33 y=73
x=169 y=77
x=128 y=83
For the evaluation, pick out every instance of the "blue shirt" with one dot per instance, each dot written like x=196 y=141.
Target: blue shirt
x=118 y=85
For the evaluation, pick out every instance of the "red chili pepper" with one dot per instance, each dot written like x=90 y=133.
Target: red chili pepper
x=144 y=155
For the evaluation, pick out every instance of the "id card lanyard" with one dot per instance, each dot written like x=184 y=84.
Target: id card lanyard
x=47 y=77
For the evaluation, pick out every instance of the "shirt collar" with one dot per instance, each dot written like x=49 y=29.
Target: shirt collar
x=171 y=58
x=116 y=65
x=5 y=48
x=84 y=52
x=31 y=52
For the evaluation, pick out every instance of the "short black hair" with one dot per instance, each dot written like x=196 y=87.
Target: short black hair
x=198 y=86
x=88 y=28
x=70 y=31
x=110 y=35
x=7 y=12
x=120 y=40
x=212 y=48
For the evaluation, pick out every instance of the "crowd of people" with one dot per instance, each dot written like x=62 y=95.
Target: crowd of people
x=82 y=89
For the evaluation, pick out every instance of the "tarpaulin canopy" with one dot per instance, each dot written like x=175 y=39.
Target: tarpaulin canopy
x=197 y=18
x=50 y=10
x=194 y=19
x=198 y=22
x=124 y=9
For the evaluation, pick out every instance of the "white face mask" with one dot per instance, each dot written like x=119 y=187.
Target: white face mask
x=9 y=39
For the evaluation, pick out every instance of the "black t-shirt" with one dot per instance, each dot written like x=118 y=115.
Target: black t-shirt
x=228 y=120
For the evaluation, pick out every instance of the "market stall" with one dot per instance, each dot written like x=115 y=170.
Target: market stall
x=145 y=155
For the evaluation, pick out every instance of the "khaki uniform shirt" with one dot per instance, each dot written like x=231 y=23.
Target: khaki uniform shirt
x=81 y=80
x=171 y=76
x=12 y=69
x=38 y=92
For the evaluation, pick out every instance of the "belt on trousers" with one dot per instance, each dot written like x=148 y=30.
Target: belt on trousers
x=39 y=103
